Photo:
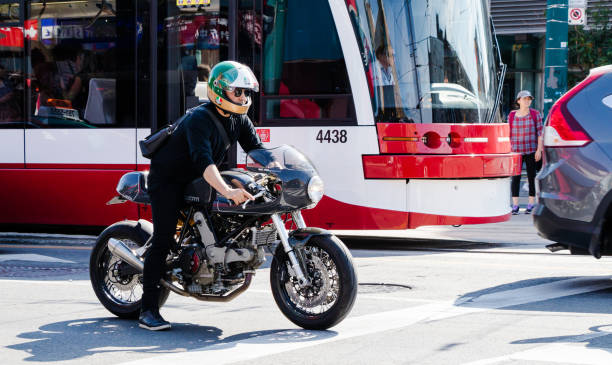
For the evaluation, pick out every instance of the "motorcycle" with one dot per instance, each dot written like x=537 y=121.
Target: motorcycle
x=219 y=245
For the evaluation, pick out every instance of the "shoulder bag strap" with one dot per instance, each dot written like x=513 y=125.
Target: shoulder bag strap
x=219 y=127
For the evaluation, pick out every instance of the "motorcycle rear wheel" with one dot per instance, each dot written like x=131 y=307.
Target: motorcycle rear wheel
x=108 y=288
x=332 y=295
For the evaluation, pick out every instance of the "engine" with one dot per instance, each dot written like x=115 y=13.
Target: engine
x=194 y=270
x=216 y=270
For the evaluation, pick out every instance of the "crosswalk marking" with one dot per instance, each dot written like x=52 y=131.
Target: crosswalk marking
x=284 y=341
x=33 y=257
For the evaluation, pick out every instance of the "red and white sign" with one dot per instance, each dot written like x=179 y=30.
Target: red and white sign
x=576 y=12
x=264 y=135
x=576 y=16
x=13 y=36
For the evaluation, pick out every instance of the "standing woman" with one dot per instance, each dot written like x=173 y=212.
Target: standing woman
x=526 y=139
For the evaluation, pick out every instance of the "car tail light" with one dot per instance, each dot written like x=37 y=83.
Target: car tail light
x=562 y=129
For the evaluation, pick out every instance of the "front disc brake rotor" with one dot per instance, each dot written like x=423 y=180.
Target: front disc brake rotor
x=321 y=284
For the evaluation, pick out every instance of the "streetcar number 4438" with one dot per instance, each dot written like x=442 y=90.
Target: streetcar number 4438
x=332 y=136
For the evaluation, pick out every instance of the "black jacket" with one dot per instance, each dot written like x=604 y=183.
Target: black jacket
x=197 y=143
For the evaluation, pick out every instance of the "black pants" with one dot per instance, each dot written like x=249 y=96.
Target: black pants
x=166 y=202
x=167 y=199
x=532 y=167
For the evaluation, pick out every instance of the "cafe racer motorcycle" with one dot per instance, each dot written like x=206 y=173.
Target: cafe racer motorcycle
x=220 y=245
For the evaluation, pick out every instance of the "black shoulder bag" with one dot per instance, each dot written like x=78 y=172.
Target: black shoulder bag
x=155 y=141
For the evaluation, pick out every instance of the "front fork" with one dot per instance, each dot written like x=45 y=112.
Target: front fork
x=284 y=237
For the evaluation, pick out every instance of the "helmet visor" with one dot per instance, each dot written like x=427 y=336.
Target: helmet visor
x=240 y=78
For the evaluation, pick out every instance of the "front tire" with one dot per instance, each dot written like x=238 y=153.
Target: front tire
x=334 y=284
x=121 y=295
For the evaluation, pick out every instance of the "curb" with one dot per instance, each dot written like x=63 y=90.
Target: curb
x=46 y=239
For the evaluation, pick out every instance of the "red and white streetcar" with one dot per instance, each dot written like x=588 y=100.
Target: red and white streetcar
x=394 y=101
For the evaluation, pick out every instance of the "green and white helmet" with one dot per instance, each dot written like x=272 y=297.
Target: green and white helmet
x=228 y=76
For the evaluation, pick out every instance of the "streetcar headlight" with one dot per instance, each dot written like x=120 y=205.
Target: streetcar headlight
x=315 y=189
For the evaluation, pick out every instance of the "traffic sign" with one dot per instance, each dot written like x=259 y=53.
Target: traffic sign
x=576 y=16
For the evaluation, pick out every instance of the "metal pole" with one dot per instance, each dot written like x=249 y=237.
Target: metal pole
x=153 y=28
x=555 y=68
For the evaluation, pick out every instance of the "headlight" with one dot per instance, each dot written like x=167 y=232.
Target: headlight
x=315 y=189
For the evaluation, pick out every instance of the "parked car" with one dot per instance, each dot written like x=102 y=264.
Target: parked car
x=575 y=184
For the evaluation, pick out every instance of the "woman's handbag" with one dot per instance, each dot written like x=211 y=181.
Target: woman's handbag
x=153 y=142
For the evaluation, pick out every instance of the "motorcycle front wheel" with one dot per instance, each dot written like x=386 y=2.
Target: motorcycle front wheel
x=120 y=294
x=333 y=288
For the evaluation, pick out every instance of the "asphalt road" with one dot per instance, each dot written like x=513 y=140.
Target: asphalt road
x=486 y=294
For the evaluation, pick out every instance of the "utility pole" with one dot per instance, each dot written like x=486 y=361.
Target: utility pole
x=555 y=68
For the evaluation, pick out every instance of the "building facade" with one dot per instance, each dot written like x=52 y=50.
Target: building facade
x=521 y=30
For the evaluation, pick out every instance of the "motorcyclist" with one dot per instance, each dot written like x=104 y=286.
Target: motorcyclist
x=193 y=151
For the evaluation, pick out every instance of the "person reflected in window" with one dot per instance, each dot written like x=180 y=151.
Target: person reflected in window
x=202 y=85
x=70 y=61
x=9 y=106
x=189 y=66
x=384 y=74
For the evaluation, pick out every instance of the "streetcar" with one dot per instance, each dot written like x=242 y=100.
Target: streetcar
x=394 y=101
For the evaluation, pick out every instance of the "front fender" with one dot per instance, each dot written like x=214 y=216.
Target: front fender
x=300 y=237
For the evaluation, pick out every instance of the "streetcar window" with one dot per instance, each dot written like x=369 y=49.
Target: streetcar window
x=11 y=66
x=426 y=61
x=9 y=12
x=303 y=74
x=11 y=89
x=81 y=64
x=192 y=40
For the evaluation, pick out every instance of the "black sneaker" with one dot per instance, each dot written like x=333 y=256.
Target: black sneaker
x=152 y=321
x=529 y=209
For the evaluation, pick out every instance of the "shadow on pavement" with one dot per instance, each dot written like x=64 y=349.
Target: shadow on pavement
x=69 y=340
x=549 y=294
x=411 y=246
x=599 y=337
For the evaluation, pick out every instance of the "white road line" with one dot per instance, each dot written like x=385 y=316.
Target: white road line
x=32 y=257
x=69 y=282
x=562 y=353
x=251 y=348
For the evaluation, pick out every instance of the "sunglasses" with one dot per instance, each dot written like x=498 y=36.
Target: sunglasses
x=238 y=92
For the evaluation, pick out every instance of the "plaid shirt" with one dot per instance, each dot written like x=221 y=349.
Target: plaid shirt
x=524 y=132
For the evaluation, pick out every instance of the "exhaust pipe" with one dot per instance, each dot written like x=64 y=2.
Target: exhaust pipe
x=554 y=247
x=119 y=248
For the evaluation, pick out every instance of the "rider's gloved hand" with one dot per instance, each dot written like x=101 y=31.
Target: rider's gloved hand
x=238 y=196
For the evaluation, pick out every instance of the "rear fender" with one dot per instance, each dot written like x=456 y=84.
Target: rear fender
x=142 y=227
x=600 y=223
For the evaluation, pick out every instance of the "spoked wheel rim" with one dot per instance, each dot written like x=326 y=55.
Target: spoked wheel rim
x=121 y=289
x=324 y=291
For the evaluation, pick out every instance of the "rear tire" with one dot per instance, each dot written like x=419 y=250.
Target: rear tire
x=108 y=287
x=328 y=256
